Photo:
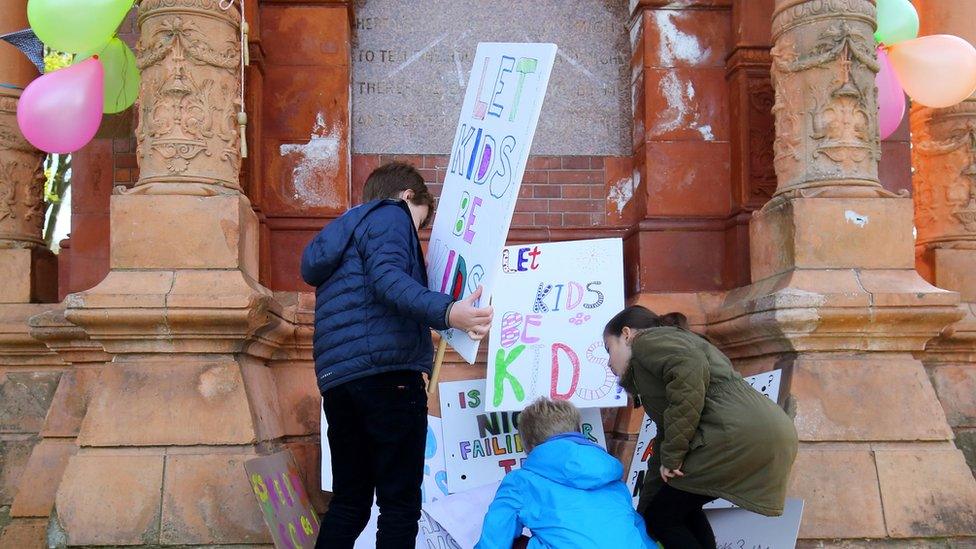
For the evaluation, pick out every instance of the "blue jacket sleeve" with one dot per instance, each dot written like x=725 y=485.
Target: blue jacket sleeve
x=313 y=272
x=502 y=524
x=385 y=240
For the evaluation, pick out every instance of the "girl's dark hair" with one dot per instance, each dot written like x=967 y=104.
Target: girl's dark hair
x=637 y=317
x=390 y=179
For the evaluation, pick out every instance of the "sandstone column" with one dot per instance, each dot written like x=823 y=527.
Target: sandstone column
x=835 y=300
x=28 y=276
x=188 y=396
x=944 y=157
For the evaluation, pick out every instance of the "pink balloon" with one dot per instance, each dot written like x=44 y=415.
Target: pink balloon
x=937 y=71
x=891 y=97
x=61 y=111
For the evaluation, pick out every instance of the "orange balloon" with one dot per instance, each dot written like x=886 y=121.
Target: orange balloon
x=936 y=71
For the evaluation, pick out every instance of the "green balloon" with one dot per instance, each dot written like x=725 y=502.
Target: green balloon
x=121 y=74
x=897 y=22
x=76 y=25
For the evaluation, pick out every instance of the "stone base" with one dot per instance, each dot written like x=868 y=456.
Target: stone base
x=29 y=275
x=182 y=402
x=25 y=534
x=193 y=232
x=833 y=275
x=837 y=304
x=199 y=496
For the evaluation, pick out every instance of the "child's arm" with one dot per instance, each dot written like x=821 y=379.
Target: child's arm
x=385 y=241
x=502 y=524
x=686 y=379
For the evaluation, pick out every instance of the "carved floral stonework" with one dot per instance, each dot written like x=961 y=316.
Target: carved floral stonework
x=188 y=137
x=824 y=99
x=21 y=183
x=762 y=175
x=753 y=125
x=944 y=158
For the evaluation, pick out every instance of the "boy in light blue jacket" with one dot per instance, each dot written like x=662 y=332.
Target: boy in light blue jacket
x=568 y=492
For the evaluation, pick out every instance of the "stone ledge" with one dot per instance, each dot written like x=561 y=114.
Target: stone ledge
x=833 y=310
x=165 y=403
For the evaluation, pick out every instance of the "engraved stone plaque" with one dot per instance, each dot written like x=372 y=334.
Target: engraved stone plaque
x=412 y=60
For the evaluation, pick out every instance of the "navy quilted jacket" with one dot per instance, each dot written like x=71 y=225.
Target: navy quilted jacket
x=373 y=311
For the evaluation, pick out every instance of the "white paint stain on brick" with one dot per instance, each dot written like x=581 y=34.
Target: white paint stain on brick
x=857 y=219
x=623 y=191
x=682 y=112
x=317 y=165
x=674 y=44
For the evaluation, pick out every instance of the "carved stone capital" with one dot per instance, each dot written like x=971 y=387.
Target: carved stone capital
x=188 y=138
x=823 y=70
x=944 y=158
x=21 y=182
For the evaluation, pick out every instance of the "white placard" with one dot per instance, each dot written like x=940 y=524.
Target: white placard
x=546 y=338
x=741 y=529
x=463 y=514
x=480 y=447
x=766 y=383
x=484 y=174
x=642 y=453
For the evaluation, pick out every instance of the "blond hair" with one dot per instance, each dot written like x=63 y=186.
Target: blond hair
x=545 y=418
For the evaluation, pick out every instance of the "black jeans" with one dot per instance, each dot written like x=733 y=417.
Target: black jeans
x=676 y=519
x=377 y=433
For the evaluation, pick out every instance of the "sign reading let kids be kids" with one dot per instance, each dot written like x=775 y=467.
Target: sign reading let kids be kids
x=546 y=338
x=491 y=146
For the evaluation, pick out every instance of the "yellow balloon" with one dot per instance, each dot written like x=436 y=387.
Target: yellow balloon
x=936 y=71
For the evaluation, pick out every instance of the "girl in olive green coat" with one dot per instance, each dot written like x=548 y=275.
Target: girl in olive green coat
x=717 y=437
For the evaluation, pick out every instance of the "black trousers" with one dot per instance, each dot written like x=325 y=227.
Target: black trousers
x=676 y=519
x=377 y=433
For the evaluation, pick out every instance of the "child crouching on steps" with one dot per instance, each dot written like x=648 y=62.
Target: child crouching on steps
x=568 y=492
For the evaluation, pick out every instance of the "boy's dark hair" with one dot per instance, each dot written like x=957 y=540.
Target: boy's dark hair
x=391 y=179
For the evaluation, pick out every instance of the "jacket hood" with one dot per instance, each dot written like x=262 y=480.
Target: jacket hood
x=323 y=256
x=572 y=460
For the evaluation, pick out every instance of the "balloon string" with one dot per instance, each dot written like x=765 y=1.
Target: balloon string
x=242 y=116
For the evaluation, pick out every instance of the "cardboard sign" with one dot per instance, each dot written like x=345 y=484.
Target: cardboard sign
x=281 y=496
x=484 y=174
x=766 y=383
x=480 y=447
x=546 y=338
x=463 y=514
x=741 y=529
x=642 y=454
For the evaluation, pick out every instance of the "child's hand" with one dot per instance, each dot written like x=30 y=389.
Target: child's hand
x=668 y=474
x=474 y=320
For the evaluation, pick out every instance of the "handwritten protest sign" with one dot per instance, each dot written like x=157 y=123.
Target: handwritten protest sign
x=491 y=147
x=283 y=501
x=766 y=383
x=642 y=454
x=546 y=338
x=741 y=529
x=480 y=447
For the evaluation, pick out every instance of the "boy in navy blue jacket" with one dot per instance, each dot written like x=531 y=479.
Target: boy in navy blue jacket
x=372 y=345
